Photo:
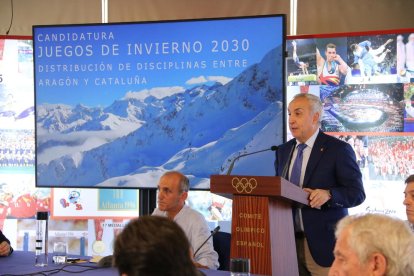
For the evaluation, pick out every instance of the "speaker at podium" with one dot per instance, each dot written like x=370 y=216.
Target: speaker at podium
x=262 y=221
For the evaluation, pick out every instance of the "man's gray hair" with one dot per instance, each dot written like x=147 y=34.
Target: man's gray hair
x=315 y=102
x=184 y=181
x=378 y=233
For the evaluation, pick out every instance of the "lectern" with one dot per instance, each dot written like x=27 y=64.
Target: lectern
x=262 y=220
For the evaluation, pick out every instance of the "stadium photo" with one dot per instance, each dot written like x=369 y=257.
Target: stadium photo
x=363 y=108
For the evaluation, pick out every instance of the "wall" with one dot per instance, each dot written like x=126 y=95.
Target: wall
x=314 y=16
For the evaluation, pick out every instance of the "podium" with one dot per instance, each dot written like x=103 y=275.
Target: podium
x=262 y=220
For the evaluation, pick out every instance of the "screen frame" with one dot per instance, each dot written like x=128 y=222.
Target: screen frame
x=281 y=17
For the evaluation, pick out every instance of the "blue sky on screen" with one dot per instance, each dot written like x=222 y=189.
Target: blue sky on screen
x=255 y=36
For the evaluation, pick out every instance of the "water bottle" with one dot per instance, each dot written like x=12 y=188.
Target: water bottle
x=82 y=246
x=26 y=241
x=41 y=239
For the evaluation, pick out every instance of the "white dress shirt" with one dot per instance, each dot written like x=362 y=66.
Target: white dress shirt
x=196 y=229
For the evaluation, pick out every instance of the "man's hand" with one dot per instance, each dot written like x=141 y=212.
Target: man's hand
x=317 y=197
x=4 y=249
x=198 y=265
x=338 y=59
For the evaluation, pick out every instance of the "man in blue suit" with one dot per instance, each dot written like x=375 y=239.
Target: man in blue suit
x=331 y=176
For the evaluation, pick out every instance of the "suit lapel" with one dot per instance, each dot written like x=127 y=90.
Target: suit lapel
x=287 y=158
x=319 y=148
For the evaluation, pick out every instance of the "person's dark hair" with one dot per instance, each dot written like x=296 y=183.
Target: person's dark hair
x=153 y=245
x=409 y=179
x=353 y=46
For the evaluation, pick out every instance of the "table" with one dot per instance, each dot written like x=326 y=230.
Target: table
x=22 y=263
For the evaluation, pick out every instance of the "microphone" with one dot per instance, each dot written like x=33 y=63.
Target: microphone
x=212 y=234
x=272 y=148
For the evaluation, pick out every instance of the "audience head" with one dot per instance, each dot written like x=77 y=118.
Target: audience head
x=153 y=245
x=305 y=115
x=373 y=244
x=409 y=198
x=173 y=189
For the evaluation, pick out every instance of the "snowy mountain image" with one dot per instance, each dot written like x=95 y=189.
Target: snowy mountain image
x=135 y=139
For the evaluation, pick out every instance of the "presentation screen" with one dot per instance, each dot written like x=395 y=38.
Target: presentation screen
x=117 y=105
x=366 y=84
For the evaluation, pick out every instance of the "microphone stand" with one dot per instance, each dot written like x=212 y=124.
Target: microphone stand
x=273 y=148
x=287 y=165
x=212 y=234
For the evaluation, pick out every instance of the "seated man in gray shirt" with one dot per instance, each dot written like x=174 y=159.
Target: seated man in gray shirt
x=173 y=189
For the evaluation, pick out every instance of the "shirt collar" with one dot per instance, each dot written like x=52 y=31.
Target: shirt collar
x=311 y=141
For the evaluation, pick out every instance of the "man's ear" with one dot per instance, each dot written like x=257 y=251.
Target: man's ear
x=316 y=116
x=378 y=263
x=184 y=196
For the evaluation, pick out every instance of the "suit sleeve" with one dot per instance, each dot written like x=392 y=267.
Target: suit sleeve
x=348 y=190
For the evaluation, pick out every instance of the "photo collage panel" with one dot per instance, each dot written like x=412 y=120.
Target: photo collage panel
x=366 y=85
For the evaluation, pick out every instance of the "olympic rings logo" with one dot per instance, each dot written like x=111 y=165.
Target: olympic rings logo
x=244 y=185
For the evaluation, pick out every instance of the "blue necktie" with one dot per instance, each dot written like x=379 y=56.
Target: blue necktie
x=297 y=165
x=295 y=179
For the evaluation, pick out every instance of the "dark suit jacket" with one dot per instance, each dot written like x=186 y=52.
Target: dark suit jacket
x=3 y=238
x=331 y=166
